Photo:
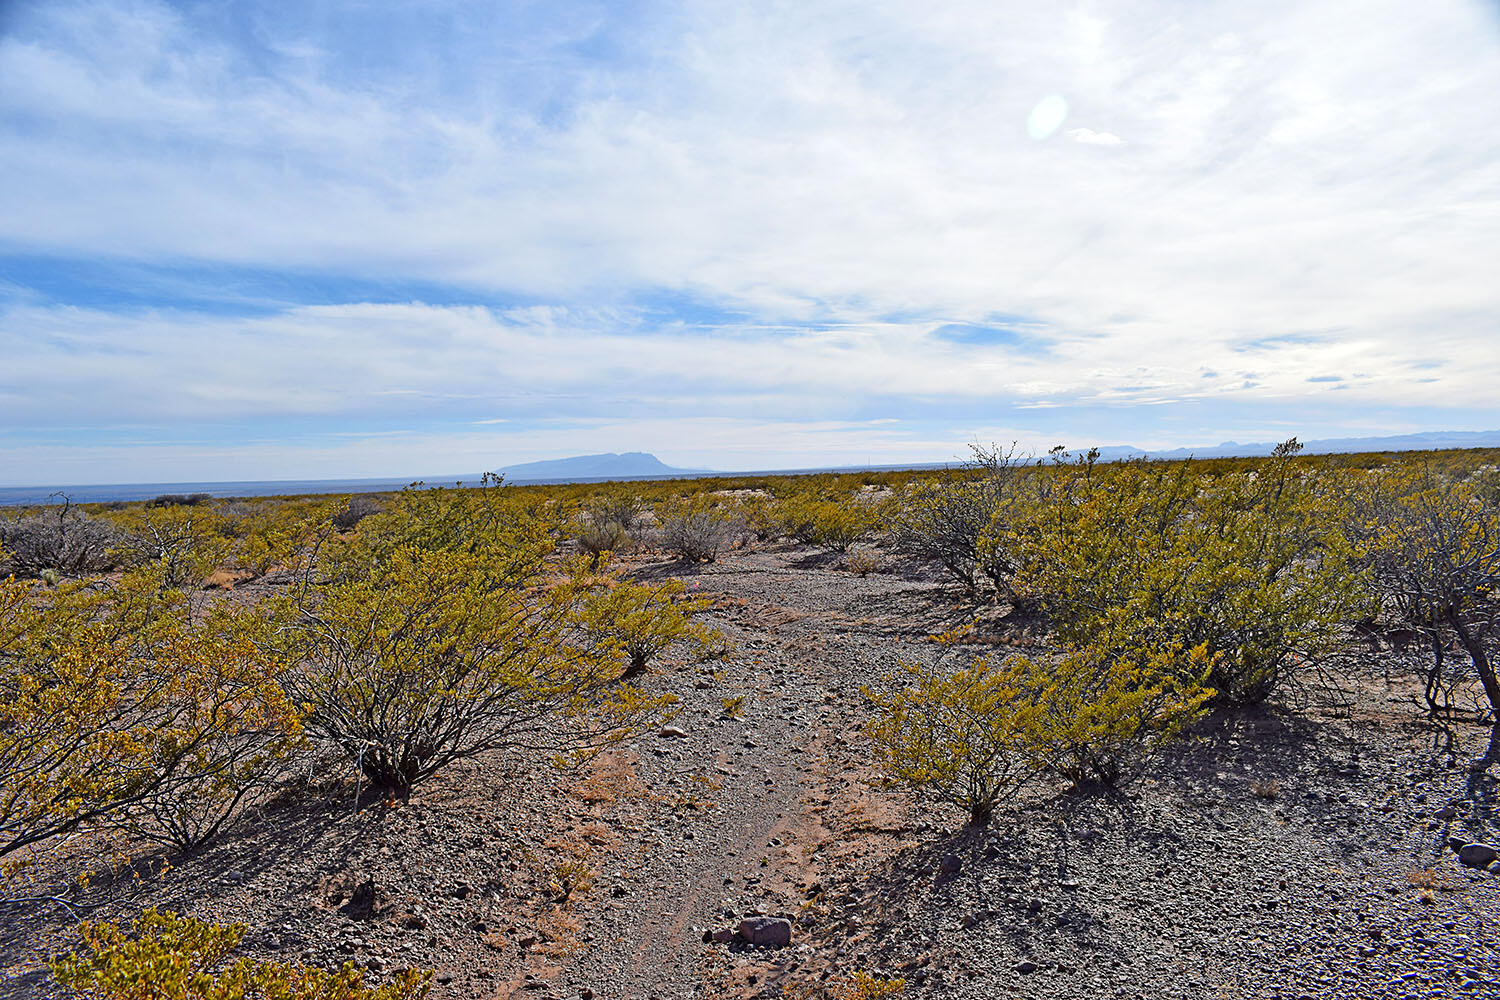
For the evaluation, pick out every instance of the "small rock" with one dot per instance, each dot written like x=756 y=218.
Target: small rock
x=952 y=864
x=1026 y=968
x=766 y=932
x=675 y=732
x=723 y=935
x=1478 y=855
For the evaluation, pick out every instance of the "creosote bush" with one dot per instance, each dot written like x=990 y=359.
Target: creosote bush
x=437 y=635
x=120 y=705
x=696 y=528
x=185 y=541
x=1253 y=567
x=168 y=957
x=1433 y=556
x=975 y=736
x=641 y=621
x=961 y=521
x=832 y=523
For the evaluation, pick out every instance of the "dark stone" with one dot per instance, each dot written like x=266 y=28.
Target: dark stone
x=766 y=932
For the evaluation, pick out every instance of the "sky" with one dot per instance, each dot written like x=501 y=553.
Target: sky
x=317 y=240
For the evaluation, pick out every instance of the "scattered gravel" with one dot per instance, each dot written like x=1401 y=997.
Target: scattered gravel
x=1332 y=850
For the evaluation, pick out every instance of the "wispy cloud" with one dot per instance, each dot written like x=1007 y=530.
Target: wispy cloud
x=463 y=212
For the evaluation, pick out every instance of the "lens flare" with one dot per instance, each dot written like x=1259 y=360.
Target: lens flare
x=1047 y=117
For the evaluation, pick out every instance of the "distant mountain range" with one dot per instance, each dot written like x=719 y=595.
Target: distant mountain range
x=1426 y=441
x=642 y=465
x=630 y=465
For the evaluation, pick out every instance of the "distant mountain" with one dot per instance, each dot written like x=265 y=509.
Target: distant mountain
x=630 y=465
x=1426 y=441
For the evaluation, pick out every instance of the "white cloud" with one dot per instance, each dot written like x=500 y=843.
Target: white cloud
x=1089 y=137
x=819 y=167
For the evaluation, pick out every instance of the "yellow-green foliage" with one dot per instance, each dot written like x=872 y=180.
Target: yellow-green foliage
x=1091 y=713
x=958 y=737
x=168 y=957
x=1251 y=566
x=831 y=522
x=974 y=736
x=236 y=729
x=120 y=702
x=437 y=636
x=858 y=986
x=276 y=533
x=505 y=531
x=641 y=621
x=185 y=542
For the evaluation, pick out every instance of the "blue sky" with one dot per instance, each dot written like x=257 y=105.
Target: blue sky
x=244 y=240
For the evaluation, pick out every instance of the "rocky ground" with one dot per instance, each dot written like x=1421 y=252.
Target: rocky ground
x=1293 y=851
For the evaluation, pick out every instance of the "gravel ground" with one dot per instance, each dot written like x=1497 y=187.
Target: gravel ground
x=1280 y=853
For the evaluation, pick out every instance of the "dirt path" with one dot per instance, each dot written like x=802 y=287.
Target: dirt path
x=807 y=638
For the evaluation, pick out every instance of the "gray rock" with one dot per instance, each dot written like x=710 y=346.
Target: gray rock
x=766 y=932
x=1477 y=855
x=952 y=864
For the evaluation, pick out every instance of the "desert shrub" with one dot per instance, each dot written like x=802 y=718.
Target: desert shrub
x=121 y=705
x=1251 y=566
x=596 y=539
x=758 y=514
x=696 y=528
x=1092 y=714
x=616 y=506
x=955 y=737
x=185 y=541
x=164 y=955
x=610 y=522
x=63 y=540
x=450 y=643
x=974 y=736
x=509 y=536
x=847 y=986
x=356 y=509
x=829 y=523
x=239 y=731
x=962 y=522
x=1433 y=556
x=273 y=533
x=642 y=621
x=180 y=500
